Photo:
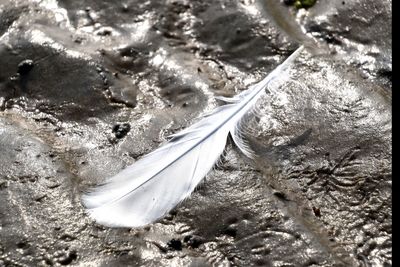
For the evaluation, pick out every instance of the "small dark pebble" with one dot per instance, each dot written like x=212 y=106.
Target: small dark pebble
x=24 y=67
x=330 y=39
x=68 y=259
x=104 y=32
x=317 y=211
x=173 y=212
x=192 y=241
x=230 y=232
x=121 y=130
x=78 y=40
x=175 y=244
x=187 y=238
x=280 y=195
x=22 y=244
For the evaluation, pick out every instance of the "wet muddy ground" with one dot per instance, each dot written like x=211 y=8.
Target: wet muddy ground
x=88 y=87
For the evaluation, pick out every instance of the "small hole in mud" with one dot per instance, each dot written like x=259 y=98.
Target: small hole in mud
x=230 y=232
x=317 y=211
x=175 y=244
x=22 y=245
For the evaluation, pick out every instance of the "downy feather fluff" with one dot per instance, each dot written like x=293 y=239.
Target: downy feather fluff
x=155 y=184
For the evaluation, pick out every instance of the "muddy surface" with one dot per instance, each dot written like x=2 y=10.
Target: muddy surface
x=88 y=87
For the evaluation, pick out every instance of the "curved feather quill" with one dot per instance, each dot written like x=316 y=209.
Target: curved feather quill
x=155 y=184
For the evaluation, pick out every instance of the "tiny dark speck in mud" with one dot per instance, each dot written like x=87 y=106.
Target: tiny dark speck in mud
x=121 y=130
x=175 y=244
x=289 y=2
x=22 y=244
x=78 y=40
x=192 y=241
x=317 y=211
x=68 y=258
x=280 y=195
x=25 y=66
x=230 y=232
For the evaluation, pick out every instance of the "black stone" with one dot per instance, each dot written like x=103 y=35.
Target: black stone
x=192 y=241
x=175 y=244
x=24 y=67
x=121 y=130
x=69 y=258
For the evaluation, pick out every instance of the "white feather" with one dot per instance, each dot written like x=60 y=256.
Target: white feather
x=155 y=184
